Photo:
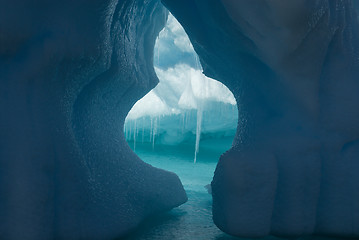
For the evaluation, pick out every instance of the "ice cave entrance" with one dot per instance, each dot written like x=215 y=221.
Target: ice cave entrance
x=188 y=120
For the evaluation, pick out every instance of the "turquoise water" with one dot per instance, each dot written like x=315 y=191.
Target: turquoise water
x=180 y=160
x=192 y=220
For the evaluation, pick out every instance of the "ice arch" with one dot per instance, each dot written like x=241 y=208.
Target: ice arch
x=185 y=104
x=69 y=69
x=70 y=72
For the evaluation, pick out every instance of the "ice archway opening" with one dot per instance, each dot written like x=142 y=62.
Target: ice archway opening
x=187 y=114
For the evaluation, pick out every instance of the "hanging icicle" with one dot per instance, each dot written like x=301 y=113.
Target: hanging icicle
x=154 y=133
x=198 y=129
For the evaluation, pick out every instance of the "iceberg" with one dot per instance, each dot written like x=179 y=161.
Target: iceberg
x=183 y=97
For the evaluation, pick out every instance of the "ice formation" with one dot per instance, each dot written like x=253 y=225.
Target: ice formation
x=70 y=72
x=173 y=112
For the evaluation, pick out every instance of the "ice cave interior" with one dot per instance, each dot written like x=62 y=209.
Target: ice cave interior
x=284 y=164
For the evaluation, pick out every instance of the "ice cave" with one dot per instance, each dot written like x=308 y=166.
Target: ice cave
x=183 y=125
x=82 y=157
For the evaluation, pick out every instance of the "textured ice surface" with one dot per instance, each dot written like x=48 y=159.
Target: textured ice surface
x=293 y=68
x=70 y=71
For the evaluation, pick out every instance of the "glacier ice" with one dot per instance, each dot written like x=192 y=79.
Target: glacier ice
x=293 y=69
x=69 y=74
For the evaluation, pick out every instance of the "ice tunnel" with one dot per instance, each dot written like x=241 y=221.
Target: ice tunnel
x=70 y=72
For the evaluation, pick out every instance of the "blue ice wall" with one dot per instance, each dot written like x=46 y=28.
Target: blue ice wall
x=293 y=68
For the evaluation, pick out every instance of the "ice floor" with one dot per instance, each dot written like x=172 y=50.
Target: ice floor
x=192 y=220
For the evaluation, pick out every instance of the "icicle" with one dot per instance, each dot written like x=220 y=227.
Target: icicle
x=143 y=129
x=198 y=129
x=134 y=135
x=137 y=130
x=196 y=59
x=151 y=129
x=188 y=118
x=130 y=130
x=183 y=121
x=154 y=133
x=200 y=106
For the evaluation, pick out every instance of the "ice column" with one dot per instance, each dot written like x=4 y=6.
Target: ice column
x=198 y=128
